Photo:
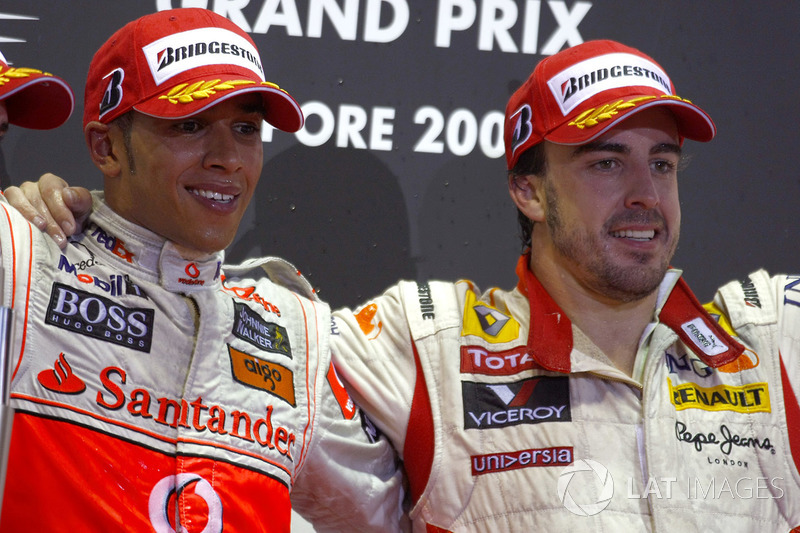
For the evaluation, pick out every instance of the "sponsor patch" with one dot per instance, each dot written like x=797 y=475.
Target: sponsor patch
x=581 y=81
x=113 y=244
x=249 y=294
x=479 y=360
x=366 y=318
x=530 y=401
x=60 y=378
x=114 y=285
x=426 y=306
x=751 y=297
x=202 y=418
x=503 y=461
x=702 y=336
x=100 y=318
x=487 y=322
x=251 y=328
x=180 y=52
x=340 y=393
x=752 y=398
x=725 y=440
x=268 y=376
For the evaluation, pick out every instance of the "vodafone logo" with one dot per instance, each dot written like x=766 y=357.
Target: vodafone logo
x=164 y=500
x=192 y=271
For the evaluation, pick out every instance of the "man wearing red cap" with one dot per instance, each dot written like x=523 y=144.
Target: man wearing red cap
x=32 y=99
x=153 y=388
x=598 y=395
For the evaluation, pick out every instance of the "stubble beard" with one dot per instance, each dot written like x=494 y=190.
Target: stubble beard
x=622 y=283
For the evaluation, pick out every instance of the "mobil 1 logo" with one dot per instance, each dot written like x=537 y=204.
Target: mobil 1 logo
x=101 y=318
x=529 y=401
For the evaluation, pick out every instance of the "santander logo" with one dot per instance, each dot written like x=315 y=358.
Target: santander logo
x=60 y=378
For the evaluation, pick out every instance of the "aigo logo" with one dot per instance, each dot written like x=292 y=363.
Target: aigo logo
x=164 y=497
x=598 y=499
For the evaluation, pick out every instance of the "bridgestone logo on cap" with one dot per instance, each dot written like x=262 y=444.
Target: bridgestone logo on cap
x=583 y=80
x=181 y=52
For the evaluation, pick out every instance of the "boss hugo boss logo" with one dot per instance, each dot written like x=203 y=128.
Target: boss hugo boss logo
x=100 y=318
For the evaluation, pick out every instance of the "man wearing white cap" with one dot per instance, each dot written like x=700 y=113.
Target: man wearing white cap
x=153 y=388
x=598 y=394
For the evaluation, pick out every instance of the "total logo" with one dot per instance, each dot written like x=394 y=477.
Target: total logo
x=164 y=496
x=585 y=487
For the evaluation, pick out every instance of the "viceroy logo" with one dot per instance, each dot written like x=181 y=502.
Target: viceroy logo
x=530 y=401
x=488 y=322
x=61 y=378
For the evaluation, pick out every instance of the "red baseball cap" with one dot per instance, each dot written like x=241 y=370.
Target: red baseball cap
x=176 y=63
x=34 y=99
x=580 y=93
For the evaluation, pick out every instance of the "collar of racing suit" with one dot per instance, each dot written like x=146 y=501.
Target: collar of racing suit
x=136 y=250
x=550 y=336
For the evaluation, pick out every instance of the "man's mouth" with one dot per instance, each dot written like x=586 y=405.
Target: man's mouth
x=211 y=195
x=643 y=235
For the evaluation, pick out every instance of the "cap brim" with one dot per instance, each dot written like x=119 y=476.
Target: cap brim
x=693 y=123
x=41 y=102
x=281 y=110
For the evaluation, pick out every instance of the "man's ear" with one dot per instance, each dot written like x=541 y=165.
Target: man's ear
x=527 y=192
x=100 y=141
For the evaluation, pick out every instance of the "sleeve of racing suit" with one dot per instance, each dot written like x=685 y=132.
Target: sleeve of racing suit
x=351 y=480
x=374 y=354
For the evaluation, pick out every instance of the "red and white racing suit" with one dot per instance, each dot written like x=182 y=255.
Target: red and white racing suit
x=510 y=419
x=155 y=393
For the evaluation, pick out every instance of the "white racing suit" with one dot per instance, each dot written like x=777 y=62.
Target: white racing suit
x=509 y=418
x=154 y=393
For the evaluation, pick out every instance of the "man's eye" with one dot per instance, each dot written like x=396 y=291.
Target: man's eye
x=188 y=126
x=664 y=166
x=605 y=164
x=249 y=128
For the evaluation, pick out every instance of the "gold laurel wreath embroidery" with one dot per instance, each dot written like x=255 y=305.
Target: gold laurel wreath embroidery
x=186 y=94
x=16 y=73
x=596 y=115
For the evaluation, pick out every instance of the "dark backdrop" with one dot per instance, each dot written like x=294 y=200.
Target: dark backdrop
x=418 y=189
